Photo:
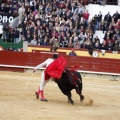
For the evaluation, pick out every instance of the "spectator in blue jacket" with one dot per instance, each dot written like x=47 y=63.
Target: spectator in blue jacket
x=72 y=53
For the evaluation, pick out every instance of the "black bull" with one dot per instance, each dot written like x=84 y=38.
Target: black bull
x=68 y=81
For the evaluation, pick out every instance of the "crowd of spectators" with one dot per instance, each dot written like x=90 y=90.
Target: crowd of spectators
x=60 y=23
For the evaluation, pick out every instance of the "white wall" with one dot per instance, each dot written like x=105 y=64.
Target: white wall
x=94 y=9
x=119 y=2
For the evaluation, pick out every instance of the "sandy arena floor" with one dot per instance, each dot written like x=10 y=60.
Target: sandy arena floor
x=17 y=103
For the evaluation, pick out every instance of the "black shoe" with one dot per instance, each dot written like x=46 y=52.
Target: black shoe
x=37 y=95
x=45 y=100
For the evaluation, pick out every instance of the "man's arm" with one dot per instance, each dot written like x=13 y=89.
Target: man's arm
x=40 y=65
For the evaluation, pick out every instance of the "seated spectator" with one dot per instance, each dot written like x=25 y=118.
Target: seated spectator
x=56 y=45
x=77 y=44
x=72 y=53
x=70 y=43
x=97 y=46
x=109 y=45
x=10 y=49
x=1 y=48
x=103 y=45
x=116 y=48
x=34 y=41
x=118 y=24
x=90 y=48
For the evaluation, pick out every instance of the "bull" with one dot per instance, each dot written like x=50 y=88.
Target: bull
x=68 y=81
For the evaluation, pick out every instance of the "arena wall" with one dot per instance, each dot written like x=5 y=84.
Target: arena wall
x=22 y=61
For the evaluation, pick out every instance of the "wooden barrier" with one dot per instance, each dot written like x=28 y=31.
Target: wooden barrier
x=87 y=63
x=79 y=52
x=13 y=58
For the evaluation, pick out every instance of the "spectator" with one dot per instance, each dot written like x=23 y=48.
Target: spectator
x=86 y=16
x=116 y=16
x=70 y=43
x=116 y=48
x=105 y=26
x=72 y=53
x=34 y=41
x=99 y=20
x=21 y=11
x=108 y=18
x=100 y=2
x=94 y=23
x=97 y=46
x=77 y=44
x=4 y=36
x=103 y=45
x=90 y=48
x=109 y=45
x=56 y=45
x=16 y=35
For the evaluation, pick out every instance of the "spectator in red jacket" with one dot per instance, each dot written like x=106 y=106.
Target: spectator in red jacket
x=86 y=15
x=61 y=5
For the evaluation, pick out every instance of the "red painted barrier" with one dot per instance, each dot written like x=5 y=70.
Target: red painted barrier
x=13 y=58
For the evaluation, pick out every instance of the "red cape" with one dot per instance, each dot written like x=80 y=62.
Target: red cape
x=55 y=69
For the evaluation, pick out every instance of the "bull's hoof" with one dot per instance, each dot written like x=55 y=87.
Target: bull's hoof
x=71 y=101
x=44 y=100
x=37 y=95
x=82 y=98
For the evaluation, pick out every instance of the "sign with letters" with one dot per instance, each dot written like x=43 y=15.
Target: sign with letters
x=4 y=19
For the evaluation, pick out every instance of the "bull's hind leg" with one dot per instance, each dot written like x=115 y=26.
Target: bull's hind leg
x=70 y=98
x=80 y=94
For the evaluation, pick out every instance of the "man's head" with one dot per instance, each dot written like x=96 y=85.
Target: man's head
x=72 y=49
x=55 y=56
